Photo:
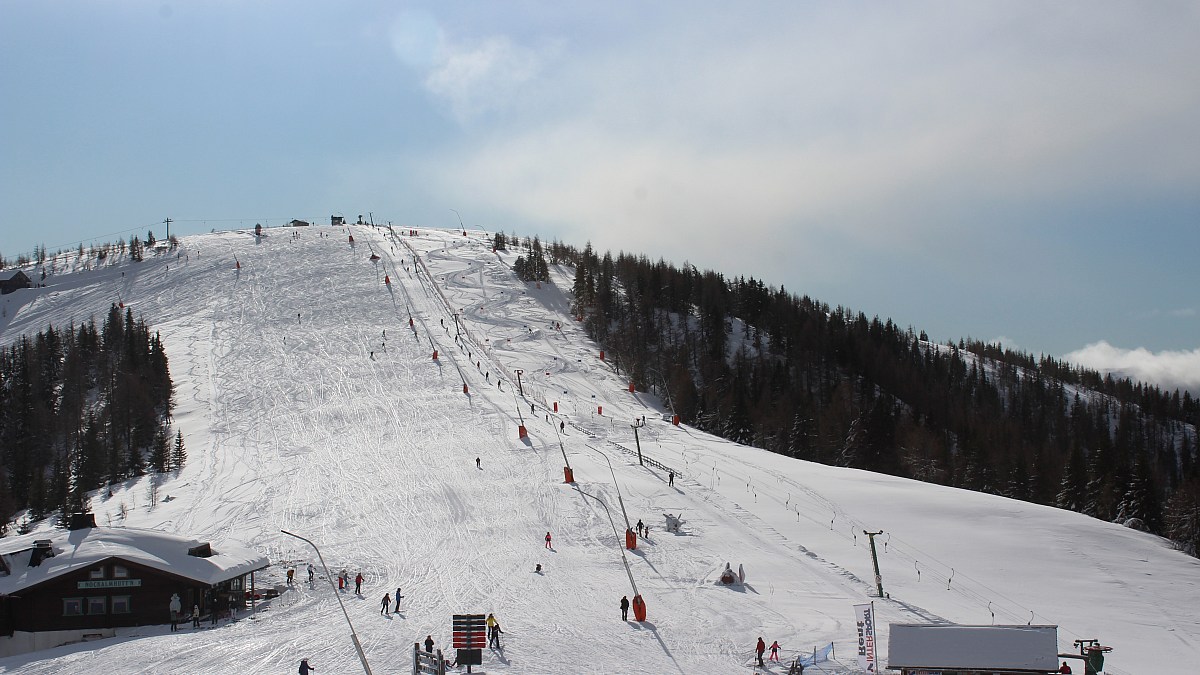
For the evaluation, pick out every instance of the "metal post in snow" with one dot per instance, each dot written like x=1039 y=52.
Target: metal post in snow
x=329 y=577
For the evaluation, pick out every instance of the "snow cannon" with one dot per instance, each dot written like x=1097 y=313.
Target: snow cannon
x=639 y=608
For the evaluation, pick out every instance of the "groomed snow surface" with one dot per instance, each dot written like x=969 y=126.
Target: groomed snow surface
x=299 y=413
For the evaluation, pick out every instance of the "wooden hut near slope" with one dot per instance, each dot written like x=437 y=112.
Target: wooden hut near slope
x=83 y=583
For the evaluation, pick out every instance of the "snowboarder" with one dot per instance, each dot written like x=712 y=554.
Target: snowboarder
x=671 y=479
x=548 y=545
x=310 y=573
x=358 y=579
x=774 y=651
x=387 y=604
x=398 y=596
x=304 y=667
x=195 y=616
x=624 y=608
x=429 y=644
x=759 y=649
x=176 y=608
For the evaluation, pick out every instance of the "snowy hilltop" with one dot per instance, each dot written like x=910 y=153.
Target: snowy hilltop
x=367 y=389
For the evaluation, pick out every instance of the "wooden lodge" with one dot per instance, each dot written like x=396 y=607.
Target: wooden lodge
x=67 y=586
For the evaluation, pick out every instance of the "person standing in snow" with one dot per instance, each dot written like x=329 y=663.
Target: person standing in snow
x=639 y=527
x=494 y=639
x=176 y=608
x=548 y=545
x=429 y=644
x=291 y=574
x=1065 y=669
x=304 y=667
x=624 y=608
x=195 y=616
x=671 y=479
x=358 y=579
x=310 y=573
x=774 y=651
x=759 y=649
x=387 y=604
x=398 y=596
x=477 y=463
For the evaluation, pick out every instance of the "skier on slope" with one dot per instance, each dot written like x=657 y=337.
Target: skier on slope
x=358 y=579
x=387 y=604
x=304 y=667
x=624 y=608
x=775 y=651
x=548 y=545
x=759 y=649
x=398 y=596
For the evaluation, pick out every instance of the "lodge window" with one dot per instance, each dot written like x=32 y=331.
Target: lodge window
x=97 y=605
x=97 y=573
x=72 y=606
x=120 y=604
x=120 y=572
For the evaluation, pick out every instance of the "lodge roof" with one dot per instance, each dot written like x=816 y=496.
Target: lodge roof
x=78 y=549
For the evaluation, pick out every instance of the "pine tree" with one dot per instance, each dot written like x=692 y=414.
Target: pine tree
x=160 y=452
x=178 y=452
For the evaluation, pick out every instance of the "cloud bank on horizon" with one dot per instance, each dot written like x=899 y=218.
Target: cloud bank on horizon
x=1030 y=170
x=1170 y=370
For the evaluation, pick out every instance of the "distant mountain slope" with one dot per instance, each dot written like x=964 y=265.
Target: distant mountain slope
x=311 y=401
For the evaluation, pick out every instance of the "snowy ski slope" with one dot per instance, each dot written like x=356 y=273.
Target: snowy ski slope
x=308 y=404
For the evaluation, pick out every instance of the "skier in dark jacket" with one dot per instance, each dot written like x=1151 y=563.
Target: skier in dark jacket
x=304 y=667
x=624 y=608
x=387 y=603
x=760 y=648
x=429 y=643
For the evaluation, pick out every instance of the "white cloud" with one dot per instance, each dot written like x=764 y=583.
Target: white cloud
x=471 y=76
x=1168 y=369
x=476 y=78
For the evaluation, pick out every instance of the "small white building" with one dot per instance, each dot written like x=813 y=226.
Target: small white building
x=948 y=649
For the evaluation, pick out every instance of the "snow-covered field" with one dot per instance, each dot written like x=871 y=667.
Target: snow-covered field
x=308 y=404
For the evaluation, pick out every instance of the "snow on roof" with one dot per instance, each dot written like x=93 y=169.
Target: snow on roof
x=8 y=274
x=77 y=549
x=947 y=646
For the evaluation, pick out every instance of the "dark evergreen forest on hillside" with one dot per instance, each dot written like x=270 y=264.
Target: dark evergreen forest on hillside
x=80 y=408
x=792 y=375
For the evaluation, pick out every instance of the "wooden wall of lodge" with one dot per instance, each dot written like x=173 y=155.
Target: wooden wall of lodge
x=41 y=607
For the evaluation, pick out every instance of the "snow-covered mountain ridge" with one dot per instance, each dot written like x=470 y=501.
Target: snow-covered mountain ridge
x=310 y=405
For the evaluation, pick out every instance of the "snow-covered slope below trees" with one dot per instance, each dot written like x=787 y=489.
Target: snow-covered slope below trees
x=308 y=404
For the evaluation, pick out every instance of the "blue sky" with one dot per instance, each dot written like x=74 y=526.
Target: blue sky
x=1028 y=172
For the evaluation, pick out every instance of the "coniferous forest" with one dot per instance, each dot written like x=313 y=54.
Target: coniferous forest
x=764 y=367
x=80 y=408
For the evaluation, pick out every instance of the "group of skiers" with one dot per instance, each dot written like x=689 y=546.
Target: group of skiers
x=762 y=647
